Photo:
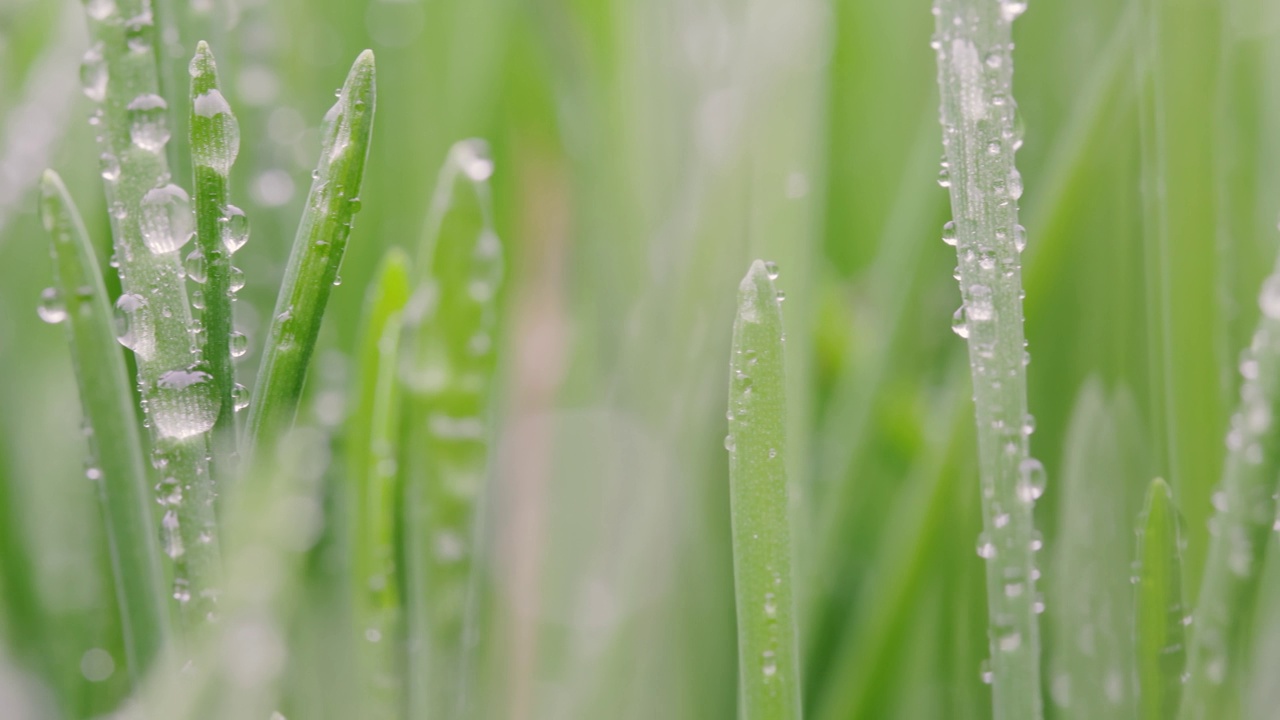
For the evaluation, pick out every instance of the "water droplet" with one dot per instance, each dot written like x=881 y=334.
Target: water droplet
x=985 y=672
x=181 y=590
x=1269 y=298
x=236 y=280
x=197 y=299
x=993 y=147
x=1019 y=238
x=166 y=223
x=93 y=473
x=196 y=267
x=219 y=142
x=51 y=308
x=770 y=663
x=958 y=324
x=134 y=328
x=100 y=9
x=1015 y=184
x=986 y=548
x=979 y=308
x=473 y=158
x=1010 y=642
x=1011 y=9
x=1000 y=520
x=137 y=32
x=110 y=167
x=1031 y=480
x=770 y=605
x=97 y=665
x=94 y=74
x=1028 y=424
x=172 y=538
x=729 y=443
x=148 y=126
x=949 y=233
x=240 y=397
x=372 y=635
x=239 y=344
x=944 y=175
x=185 y=403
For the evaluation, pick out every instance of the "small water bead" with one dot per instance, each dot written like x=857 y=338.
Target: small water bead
x=94 y=73
x=134 y=329
x=1015 y=184
x=197 y=299
x=239 y=343
x=1010 y=642
x=51 y=308
x=994 y=147
x=110 y=166
x=138 y=31
x=729 y=443
x=1028 y=424
x=958 y=324
x=770 y=605
x=240 y=397
x=181 y=590
x=1031 y=480
x=473 y=158
x=167 y=223
x=949 y=233
x=1019 y=237
x=236 y=280
x=196 y=267
x=172 y=538
x=986 y=549
x=979 y=307
x=1269 y=297
x=234 y=225
x=985 y=673
x=100 y=10
x=780 y=296
x=220 y=144
x=770 y=659
x=771 y=269
x=944 y=176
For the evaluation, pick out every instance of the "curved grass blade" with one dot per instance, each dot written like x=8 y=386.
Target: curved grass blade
x=1242 y=525
x=151 y=223
x=116 y=446
x=447 y=371
x=316 y=258
x=371 y=467
x=975 y=75
x=1159 y=615
x=221 y=229
x=768 y=658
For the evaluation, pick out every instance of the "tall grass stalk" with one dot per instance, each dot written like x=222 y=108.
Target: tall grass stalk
x=760 y=499
x=1159 y=614
x=975 y=75
x=221 y=229
x=117 y=467
x=151 y=222
x=1242 y=525
x=316 y=258
x=447 y=373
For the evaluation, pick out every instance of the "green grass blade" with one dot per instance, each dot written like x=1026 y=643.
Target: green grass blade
x=768 y=659
x=447 y=369
x=1159 y=621
x=151 y=223
x=221 y=229
x=317 y=255
x=117 y=460
x=1242 y=524
x=371 y=467
x=975 y=75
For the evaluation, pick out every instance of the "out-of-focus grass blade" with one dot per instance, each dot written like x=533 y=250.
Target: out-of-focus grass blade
x=316 y=258
x=372 y=440
x=1087 y=586
x=447 y=370
x=117 y=466
x=221 y=229
x=1159 y=615
x=768 y=657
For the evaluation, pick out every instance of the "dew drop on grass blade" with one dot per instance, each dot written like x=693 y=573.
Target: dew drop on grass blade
x=151 y=222
x=316 y=258
x=974 y=47
x=447 y=371
x=760 y=506
x=371 y=455
x=117 y=467
x=1159 y=614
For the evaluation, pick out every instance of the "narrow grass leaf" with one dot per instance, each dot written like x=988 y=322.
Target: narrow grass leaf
x=1241 y=527
x=116 y=467
x=371 y=447
x=1159 y=614
x=316 y=259
x=975 y=74
x=768 y=659
x=447 y=370
x=221 y=229
x=151 y=223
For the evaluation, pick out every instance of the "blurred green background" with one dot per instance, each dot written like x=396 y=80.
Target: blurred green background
x=646 y=152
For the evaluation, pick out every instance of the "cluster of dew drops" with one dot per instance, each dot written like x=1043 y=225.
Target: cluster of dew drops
x=742 y=381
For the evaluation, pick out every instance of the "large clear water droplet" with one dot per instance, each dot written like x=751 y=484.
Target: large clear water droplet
x=94 y=74
x=220 y=143
x=239 y=344
x=234 y=226
x=148 y=124
x=134 y=328
x=166 y=223
x=196 y=267
x=949 y=233
x=185 y=403
x=236 y=280
x=240 y=397
x=51 y=308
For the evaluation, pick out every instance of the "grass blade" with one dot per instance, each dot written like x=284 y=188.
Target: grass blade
x=1159 y=622
x=975 y=75
x=447 y=369
x=221 y=229
x=1242 y=524
x=316 y=258
x=768 y=658
x=116 y=452
x=371 y=458
x=151 y=222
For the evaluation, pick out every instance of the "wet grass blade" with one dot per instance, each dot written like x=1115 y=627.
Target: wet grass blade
x=371 y=453
x=317 y=255
x=117 y=466
x=975 y=75
x=151 y=223
x=447 y=371
x=221 y=229
x=1159 y=615
x=768 y=659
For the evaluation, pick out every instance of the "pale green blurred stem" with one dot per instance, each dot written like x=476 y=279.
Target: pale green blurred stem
x=760 y=506
x=1159 y=625
x=133 y=143
x=975 y=74
x=115 y=441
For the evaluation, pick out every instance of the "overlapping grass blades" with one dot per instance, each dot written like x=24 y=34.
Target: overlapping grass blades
x=117 y=467
x=760 y=499
x=975 y=73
